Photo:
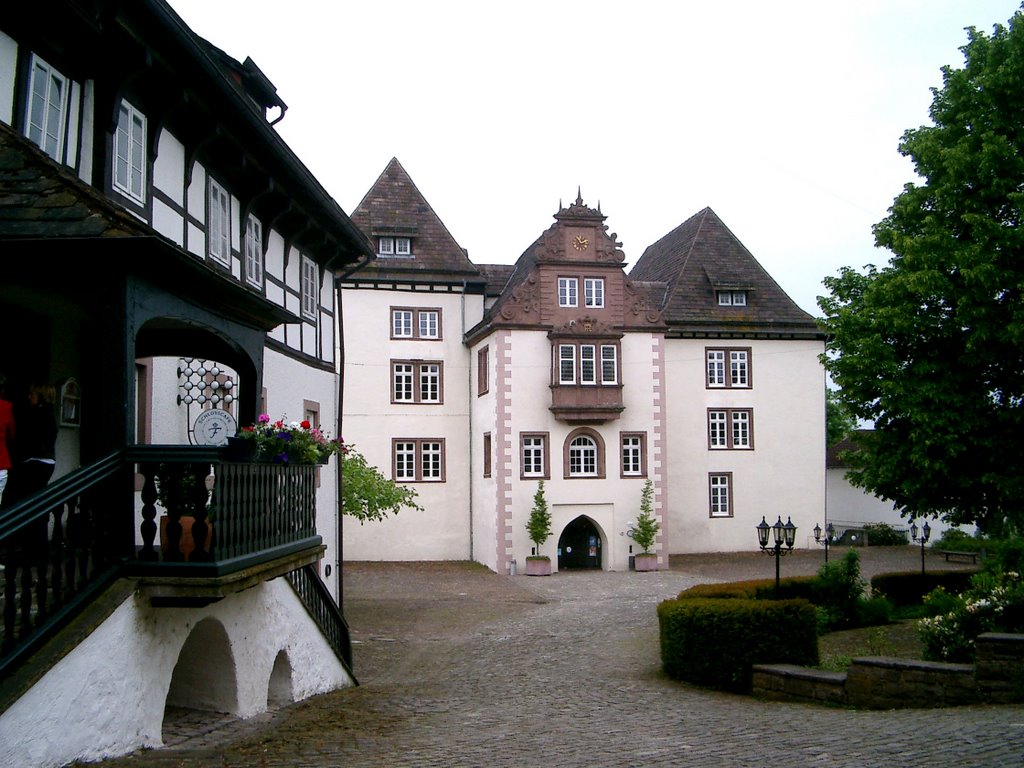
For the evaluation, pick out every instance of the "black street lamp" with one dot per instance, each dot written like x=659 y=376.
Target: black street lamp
x=830 y=533
x=783 y=534
x=926 y=531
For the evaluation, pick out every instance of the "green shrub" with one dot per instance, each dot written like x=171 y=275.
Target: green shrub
x=993 y=603
x=904 y=589
x=715 y=642
x=837 y=591
x=884 y=535
x=790 y=588
x=955 y=539
x=874 y=611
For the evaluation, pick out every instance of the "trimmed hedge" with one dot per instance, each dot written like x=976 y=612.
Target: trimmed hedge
x=790 y=588
x=903 y=589
x=714 y=641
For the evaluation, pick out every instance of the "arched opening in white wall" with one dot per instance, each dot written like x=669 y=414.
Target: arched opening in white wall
x=579 y=545
x=205 y=677
x=279 y=690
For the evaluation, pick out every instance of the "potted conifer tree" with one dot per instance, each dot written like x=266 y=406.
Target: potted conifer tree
x=645 y=531
x=539 y=529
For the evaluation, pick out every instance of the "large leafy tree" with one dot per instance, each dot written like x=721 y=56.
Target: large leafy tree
x=931 y=347
x=366 y=494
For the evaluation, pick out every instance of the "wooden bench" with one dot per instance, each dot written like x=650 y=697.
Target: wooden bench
x=972 y=556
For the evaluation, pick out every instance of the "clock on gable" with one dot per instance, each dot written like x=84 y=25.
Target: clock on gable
x=580 y=243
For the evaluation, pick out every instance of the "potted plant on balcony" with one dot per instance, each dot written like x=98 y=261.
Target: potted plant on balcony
x=539 y=529
x=281 y=442
x=645 y=530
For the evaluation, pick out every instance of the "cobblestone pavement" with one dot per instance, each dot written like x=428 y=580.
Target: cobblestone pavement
x=462 y=667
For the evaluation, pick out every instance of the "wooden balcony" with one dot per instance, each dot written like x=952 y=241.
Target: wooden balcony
x=586 y=404
x=63 y=547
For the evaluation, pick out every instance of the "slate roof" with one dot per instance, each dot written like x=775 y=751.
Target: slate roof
x=394 y=206
x=700 y=257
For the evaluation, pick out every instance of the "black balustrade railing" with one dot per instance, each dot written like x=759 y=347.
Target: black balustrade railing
x=145 y=511
x=324 y=611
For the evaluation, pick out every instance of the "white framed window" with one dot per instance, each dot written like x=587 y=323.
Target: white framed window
x=430 y=382
x=593 y=292
x=416 y=323
x=730 y=428
x=534 y=451
x=583 y=457
x=401 y=324
x=129 y=176
x=400 y=247
x=402 y=376
x=720 y=494
x=417 y=381
x=732 y=298
x=253 y=251
x=310 y=288
x=566 y=364
x=728 y=367
x=588 y=364
x=418 y=460
x=609 y=364
x=404 y=460
x=633 y=464
x=219 y=223
x=429 y=323
x=568 y=292
x=47 y=114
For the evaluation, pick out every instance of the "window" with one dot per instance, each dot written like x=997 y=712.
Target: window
x=728 y=368
x=609 y=364
x=47 y=113
x=416 y=381
x=583 y=454
x=588 y=364
x=593 y=292
x=633 y=454
x=400 y=247
x=413 y=323
x=583 y=457
x=310 y=289
x=720 y=489
x=487 y=454
x=219 y=223
x=567 y=292
x=566 y=364
x=534 y=452
x=253 y=251
x=732 y=298
x=583 y=358
x=418 y=460
x=311 y=413
x=483 y=371
x=428 y=320
x=730 y=428
x=130 y=153
x=401 y=324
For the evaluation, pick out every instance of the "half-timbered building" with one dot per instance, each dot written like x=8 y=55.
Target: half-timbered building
x=168 y=268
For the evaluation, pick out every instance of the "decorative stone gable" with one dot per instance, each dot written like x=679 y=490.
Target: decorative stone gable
x=579 y=234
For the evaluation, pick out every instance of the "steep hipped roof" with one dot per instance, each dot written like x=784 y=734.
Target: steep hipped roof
x=700 y=257
x=395 y=207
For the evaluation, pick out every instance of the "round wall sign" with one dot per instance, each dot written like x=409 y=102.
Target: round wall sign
x=214 y=427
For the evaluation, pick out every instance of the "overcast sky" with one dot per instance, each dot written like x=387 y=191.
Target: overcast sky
x=783 y=117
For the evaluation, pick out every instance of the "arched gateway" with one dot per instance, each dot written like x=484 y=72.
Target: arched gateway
x=579 y=546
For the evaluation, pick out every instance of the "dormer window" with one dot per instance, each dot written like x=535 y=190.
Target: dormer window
x=394 y=247
x=732 y=298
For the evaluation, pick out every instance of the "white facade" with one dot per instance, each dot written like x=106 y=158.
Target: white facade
x=131 y=662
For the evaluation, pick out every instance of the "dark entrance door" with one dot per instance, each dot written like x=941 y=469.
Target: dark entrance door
x=579 y=546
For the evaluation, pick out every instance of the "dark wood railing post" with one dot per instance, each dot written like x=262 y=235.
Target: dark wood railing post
x=148 y=497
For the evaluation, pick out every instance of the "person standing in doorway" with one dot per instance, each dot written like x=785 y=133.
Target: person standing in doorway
x=6 y=435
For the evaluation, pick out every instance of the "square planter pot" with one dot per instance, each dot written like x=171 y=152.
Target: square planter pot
x=648 y=562
x=538 y=566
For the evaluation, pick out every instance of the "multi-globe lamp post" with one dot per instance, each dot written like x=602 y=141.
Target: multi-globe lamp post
x=783 y=535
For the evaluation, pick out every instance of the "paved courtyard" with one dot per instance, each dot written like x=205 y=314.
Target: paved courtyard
x=462 y=667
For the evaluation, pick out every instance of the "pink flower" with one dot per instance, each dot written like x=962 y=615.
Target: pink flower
x=264 y=418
